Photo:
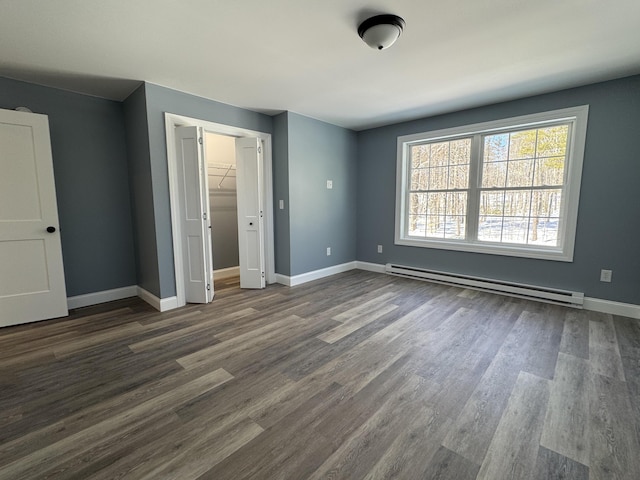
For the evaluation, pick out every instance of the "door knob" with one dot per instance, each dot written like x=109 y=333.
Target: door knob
x=51 y=229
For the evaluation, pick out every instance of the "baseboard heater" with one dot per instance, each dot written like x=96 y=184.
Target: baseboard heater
x=530 y=292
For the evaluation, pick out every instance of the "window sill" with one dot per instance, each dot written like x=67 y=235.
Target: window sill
x=477 y=247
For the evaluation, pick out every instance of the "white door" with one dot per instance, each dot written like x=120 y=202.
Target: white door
x=194 y=215
x=31 y=272
x=250 y=212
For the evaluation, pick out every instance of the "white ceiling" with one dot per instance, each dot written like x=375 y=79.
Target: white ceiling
x=305 y=55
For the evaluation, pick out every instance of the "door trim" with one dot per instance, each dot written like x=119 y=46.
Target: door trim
x=171 y=121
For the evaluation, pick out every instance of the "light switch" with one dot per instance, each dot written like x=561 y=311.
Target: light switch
x=281 y=204
x=329 y=184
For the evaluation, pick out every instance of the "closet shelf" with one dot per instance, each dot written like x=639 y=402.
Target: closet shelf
x=225 y=170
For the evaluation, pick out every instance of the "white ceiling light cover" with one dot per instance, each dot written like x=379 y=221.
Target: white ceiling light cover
x=381 y=36
x=381 y=31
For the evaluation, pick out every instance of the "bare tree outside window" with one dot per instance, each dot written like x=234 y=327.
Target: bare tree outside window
x=522 y=182
x=439 y=189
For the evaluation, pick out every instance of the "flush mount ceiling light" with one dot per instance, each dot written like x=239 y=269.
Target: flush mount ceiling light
x=381 y=31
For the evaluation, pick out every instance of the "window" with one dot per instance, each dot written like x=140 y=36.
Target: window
x=508 y=187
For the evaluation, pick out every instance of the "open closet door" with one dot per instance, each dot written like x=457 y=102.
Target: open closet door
x=194 y=215
x=250 y=212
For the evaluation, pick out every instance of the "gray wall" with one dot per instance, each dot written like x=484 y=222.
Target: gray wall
x=281 y=192
x=92 y=187
x=158 y=101
x=319 y=217
x=99 y=191
x=137 y=130
x=608 y=219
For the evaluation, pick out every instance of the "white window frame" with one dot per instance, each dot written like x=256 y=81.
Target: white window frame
x=576 y=116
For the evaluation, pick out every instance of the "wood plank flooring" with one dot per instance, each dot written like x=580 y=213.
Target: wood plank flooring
x=356 y=376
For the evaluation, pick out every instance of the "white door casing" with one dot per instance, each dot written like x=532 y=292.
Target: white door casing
x=194 y=215
x=249 y=177
x=32 y=285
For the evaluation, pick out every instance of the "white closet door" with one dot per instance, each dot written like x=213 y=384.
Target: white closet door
x=196 y=246
x=250 y=212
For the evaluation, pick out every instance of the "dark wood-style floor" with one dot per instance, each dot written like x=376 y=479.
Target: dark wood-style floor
x=356 y=376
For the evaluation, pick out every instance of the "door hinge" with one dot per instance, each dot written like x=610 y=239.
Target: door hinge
x=200 y=140
x=262 y=274
x=259 y=149
x=204 y=216
x=208 y=286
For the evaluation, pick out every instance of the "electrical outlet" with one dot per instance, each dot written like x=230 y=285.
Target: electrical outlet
x=328 y=251
x=379 y=248
x=605 y=275
x=329 y=184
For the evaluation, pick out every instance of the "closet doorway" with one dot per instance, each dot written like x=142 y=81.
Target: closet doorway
x=220 y=156
x=253 y=176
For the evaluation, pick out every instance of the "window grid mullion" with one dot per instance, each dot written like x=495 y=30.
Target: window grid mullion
x=535 y=161
x=473 y=198
x=522 y=189
x=448 y=190
x=446 y=196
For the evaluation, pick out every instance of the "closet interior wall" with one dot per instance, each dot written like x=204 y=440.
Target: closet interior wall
x=221 y=168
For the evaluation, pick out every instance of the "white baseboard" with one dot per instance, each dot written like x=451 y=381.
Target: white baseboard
x=283 y=279
x=314 y=275
x=614 y=308
x=96 y=298
x=226 y=273
x=164 y=304
x=370 y=267
x=104 y=296
x=160 y=304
